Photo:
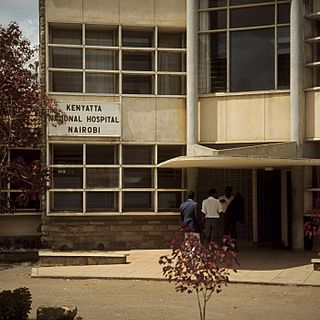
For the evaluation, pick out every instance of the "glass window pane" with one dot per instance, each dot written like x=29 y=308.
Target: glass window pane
x=137 y=84
x=66 y=201
x=137 y=154
x=213 y=62
x=101 y=154
x=171 y=85
x=137 y=38
x=255 y=16
x=65 y=81
x=166 y=152
x=102 y=83
x=20 y=203
x=169 y=201
x=67 y=154
x=212 y=3
x=252 y=65
x=67 y=34
x=101 y=59
x=170 y=178
x=102 y=201
x=100 y=36
x=171 y=39
x=137 y=61
x=284 y=13
x=102 y=177
x=238 y=2
x=67 y=178
x=283 y=58
x=213 y=20
x=66 y=58
x=171 y=61
x=137 y=178
x=138 y=201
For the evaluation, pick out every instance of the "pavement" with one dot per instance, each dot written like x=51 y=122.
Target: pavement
x=259 y=266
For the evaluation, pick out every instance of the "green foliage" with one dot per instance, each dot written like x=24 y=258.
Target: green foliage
x=15 y=305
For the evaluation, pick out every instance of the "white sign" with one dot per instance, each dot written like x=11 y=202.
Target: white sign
x=88 y=119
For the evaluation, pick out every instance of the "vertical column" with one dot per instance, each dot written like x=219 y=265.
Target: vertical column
x=297 y=118
x=297 y=75
x=297 y=182
x=192 y=87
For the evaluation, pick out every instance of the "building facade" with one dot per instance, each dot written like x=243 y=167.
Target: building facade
x=164 y=96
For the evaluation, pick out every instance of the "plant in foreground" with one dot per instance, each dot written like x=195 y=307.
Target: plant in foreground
x=312 y=227
x=195 y=267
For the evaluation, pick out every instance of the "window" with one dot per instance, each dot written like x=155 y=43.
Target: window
x=248 y=51
x=95 y=178
x=107 y=59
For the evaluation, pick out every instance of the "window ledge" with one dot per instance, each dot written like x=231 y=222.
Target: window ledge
x=113 y=214
x=243 y=93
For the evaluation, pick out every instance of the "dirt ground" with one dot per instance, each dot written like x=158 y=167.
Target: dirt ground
x=155 y=300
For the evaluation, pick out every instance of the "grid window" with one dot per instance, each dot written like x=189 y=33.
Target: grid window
x=138 y=201
x=169 y=201
x=111 y=54
x=102 y=201
x=251 y=53
x=102 y=177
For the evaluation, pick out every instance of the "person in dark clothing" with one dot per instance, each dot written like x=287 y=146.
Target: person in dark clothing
x=190 y=214
x=234 y=213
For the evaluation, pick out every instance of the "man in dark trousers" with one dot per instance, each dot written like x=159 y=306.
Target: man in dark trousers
x=190 y=214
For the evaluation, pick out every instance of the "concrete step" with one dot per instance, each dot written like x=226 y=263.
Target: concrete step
x=80 y=258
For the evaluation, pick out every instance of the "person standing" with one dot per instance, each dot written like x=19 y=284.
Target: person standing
x=190 y=214
x=226 y=198
x=212 y=208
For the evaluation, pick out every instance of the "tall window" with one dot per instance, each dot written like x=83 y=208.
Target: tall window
x=95 y=59
x=101 y=178
x=244 y=45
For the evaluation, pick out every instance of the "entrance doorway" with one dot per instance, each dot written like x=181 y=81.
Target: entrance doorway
x=269 y=208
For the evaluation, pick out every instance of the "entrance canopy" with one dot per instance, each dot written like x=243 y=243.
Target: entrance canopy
x=277 y=155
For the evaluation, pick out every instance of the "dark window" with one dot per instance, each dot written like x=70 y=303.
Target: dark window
x=171 y=85
x=169 y=178
x=255 y=16
x=169 y=201
x=137 y=201
x=171 y=61
x=215 y=20
x=102 y=83
x=21 y=204
x=66 y=81
x=67 y=178
x=212 y=3
x=102 y=177
x=101 y=59
x=137 y=84
x=66 y=58
x=27 y=155
x=239 y=2
x=252 y=65
x=166 y=152
x=137 y=38
x=171 y=39
x=137 y=61
x=101 y=154
x=283 y=57
x=102 y=201
x=71 y=34
x=137 y=178
x=96 y=36
x=137 y=154
x=66 y=201
x=284 y=13
x=67 y=154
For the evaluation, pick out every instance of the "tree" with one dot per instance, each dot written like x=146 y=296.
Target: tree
x=24 y=107
x=312 y=227
x=193 y=266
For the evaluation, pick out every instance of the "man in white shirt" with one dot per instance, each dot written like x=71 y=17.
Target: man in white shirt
x=211 y=207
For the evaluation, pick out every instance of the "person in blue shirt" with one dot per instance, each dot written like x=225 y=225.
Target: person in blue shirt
x=190 y=214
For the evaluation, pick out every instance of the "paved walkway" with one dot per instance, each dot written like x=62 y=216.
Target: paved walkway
x=256 y=266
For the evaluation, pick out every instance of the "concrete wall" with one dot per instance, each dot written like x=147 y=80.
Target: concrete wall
x=115 y=233
x=245 y=118
x=124 y=12
x=18 y=225
x=313 y=115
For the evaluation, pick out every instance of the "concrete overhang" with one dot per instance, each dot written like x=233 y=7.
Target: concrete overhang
x=244 y=162
x=273 y=155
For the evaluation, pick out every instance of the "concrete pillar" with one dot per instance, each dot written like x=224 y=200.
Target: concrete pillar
x=192 y=87
x=297 y=76
x=192 y=73
x=297 y=186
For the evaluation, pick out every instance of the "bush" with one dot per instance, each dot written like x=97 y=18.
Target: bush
x=15 y=305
